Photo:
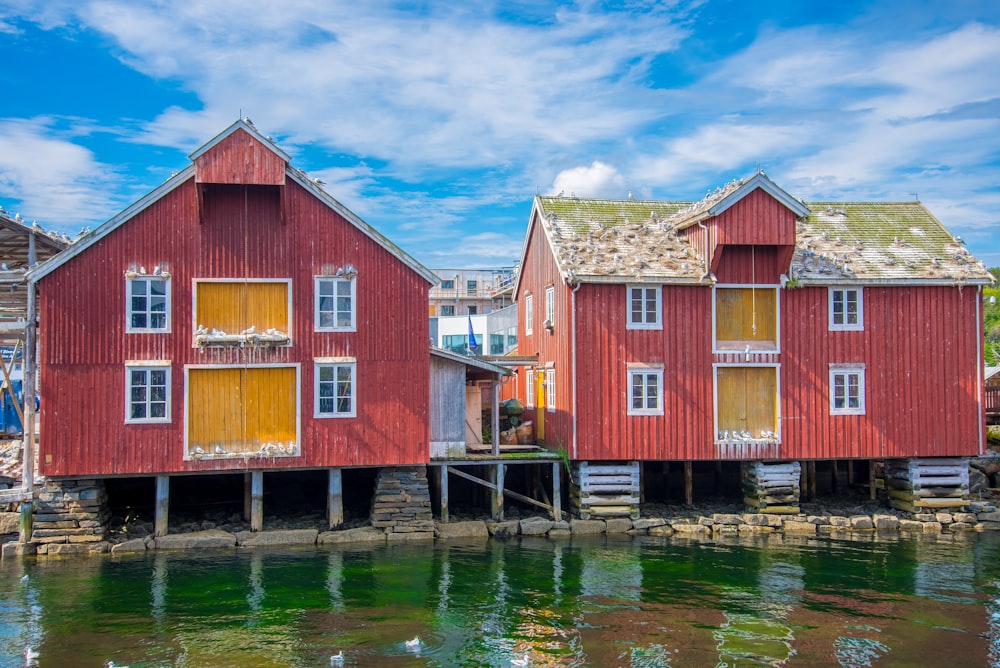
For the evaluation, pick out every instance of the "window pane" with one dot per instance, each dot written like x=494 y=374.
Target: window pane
x=158 y=288
x=326 y=405
x=158 y=410
x=326 y=373
x=138 y=411
x=325 y=289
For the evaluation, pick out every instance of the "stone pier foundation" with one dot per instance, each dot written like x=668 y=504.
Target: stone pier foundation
x=71 y=516
x=402 y=503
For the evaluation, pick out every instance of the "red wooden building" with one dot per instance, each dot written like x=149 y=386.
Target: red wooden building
x=237 y=318
x=750 y=326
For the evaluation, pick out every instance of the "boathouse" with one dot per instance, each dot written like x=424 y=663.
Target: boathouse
x=749 y=337
x=235 y=323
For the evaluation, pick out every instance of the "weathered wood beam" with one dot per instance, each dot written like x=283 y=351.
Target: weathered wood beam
x=443 y=491
x=557 y=491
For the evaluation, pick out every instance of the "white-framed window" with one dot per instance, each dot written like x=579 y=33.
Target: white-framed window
x=147 y=392
x=550 y=390
x=644 y=308
x=335 y=391
x=529 y=313
x=645 y=390
x=471 y=287
x=529 y=388
x=847 y=389
x=847 y=309
x=550 y=306
x=447 y=309
x=148 y=304
x=335 y=304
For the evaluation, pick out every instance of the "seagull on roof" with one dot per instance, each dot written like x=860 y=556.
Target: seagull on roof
x=246 y=119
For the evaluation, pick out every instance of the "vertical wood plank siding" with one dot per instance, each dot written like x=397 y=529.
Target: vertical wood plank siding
x=84 y=346
x=239 y=158
x=757 y=219
x=538 y=273
x=921 y=392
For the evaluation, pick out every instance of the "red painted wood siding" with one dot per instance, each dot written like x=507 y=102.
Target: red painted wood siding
x=240 y=158
x=539 y=272
x=920 y=346
x=84 y=345
x=749 y=264
x=922 y=393
x=757 y=219
x=605 y=347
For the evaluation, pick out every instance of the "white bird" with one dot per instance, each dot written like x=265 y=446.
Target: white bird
x=30 y=656
x=156 y=270
x=112 y=664
x=24 y=578
x=198 y=450
x=142 y=270
x=219 y=450
x=413 y=643
x=337 y=659
x=524 y=660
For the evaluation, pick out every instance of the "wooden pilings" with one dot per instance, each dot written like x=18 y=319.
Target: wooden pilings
x=771 y=487
x=161 y=513
x=335 y=498
x=605 y=490
x=922 y=484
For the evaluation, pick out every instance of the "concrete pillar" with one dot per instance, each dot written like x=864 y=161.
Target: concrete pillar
x=443 y=491
x=335 y=498
x=556 y=491
x=256 y=500
x=162 y=509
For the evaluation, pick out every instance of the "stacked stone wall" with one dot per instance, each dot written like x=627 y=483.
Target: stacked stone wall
x=71 y=516
x=402 y=503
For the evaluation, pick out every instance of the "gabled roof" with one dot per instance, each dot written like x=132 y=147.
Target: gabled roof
x=241 y=124
x=715 y=202
x=183 y=176
x=871 y=242
x=617 y=240
x=634 y=241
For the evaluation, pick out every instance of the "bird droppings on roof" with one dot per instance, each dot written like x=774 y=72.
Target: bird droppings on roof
x=619 y=239
x=837 y=242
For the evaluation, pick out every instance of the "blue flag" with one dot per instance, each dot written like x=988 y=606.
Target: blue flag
x=473 y=346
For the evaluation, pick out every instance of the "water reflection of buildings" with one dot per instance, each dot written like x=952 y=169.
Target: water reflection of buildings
x=756 y=629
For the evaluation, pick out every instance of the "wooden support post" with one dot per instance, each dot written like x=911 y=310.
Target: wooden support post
x=718 y=478
x=496 y=494
x=335 y=498
x=495 y=420
x=688 y=483
x=247 y=485
x=804 y=480
x=872 y=492
x=834 y=474
x=161 y=515
x=642 y=484
x=812 y=480
x=28 y=391
x=850 y=473
x=556 y=491
x=443 y=490
x=256 y=500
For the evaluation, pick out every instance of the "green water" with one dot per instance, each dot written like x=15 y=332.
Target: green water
x=603 y=602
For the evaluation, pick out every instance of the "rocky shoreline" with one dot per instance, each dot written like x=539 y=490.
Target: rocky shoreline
x=983 y=516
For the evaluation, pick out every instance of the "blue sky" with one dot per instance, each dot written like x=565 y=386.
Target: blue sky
x=437 y=122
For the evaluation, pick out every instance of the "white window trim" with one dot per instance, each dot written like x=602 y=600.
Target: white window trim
x=848 y=370
x=847 y=327
x=645 y=369
x=550 y=395
x=631 y=324
x=354 y=303
x=336 y=362
x=777 y=315
x=147 y=365
x=529 y=393
x=550 y=306
x=129 y=278
x=288 y=292
x=529 y=313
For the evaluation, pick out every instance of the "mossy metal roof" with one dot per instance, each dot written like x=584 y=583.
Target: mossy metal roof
x=598 y=240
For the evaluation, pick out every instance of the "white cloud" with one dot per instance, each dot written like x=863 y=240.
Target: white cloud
x=53 y=180
x=597 y=180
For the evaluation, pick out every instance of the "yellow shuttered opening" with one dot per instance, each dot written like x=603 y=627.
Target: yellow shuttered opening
x=748 y=400
x=235 y=306
x=242 y=411
x=746 y=316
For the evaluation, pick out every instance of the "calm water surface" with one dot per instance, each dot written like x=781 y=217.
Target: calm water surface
x=615 y=602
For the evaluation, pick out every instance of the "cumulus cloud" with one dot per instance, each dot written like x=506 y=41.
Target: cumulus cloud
x=51 y=179
x=597 y=180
